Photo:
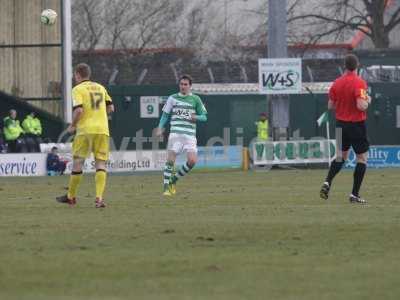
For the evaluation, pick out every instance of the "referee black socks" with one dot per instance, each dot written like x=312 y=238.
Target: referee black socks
x=336 y=166
x=359 y=172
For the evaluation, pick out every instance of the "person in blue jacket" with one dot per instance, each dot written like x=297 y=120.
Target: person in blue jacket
x=55 y=166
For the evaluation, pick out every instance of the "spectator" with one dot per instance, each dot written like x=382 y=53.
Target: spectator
x=33 y=131
x=262 y=134
x=3 y=147
x=13 y=133
x=55 y=166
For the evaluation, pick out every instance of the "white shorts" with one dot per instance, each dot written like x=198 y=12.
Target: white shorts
x=182 y=143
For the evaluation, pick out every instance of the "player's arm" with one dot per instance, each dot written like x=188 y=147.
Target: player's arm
x=363 y=103
x=363 y=99
x=76 y=116
x=109 y=104
x=163 y=120
x=77 y=102
x=332 y=98
x=110 y=108
x=200 y=118
x=166 y=113
x=164 y=117
x=201 y=112
x=331 y=104
x=161 y=125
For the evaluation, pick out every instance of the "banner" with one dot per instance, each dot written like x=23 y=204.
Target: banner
x=23 y=164
x=293 y=152
x=279 y=76
x=148 y=160
x=129 y=161
x=378 y=157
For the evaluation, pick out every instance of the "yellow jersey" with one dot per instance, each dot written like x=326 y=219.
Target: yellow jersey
x=262 y=130
x=93 y=98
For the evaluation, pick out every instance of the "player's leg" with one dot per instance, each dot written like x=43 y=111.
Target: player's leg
x=168 y=172
x=190 y=146
x=101 y=153
x=100 y=180
x=358 y=176
x=76 y=177
x=187 y=166
x=336 y=166
x=175 y=146
x=360 y=146
x=80 y=151
x=75 y=180
x=343 y=143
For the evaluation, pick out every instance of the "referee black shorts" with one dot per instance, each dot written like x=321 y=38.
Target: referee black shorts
x=353 y=134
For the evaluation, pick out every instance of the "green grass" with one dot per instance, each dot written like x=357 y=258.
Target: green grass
x=226 y=235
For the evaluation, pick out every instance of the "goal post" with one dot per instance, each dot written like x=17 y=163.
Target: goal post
x=67 y=59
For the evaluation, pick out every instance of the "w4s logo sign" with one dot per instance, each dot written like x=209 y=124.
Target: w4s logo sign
x=279 y=76
x=280 y=81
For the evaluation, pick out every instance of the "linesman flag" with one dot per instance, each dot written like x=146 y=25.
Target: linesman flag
x=324 y=118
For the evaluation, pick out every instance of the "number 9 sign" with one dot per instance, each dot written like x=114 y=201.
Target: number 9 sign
x=149 y=107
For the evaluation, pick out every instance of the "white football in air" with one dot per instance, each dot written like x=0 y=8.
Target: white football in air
x=48 y=17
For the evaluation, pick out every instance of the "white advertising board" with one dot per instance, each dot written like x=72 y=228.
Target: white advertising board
x=26 y=164
x=279 y=76
x=293 y=152
x=130 y=161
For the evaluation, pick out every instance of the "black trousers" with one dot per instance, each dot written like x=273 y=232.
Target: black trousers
x=32 y=143
x=16 y=146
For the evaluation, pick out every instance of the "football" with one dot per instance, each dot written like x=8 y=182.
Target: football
x=48 y=17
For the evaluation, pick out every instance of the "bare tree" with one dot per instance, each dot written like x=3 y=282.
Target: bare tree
x=118 y=24
x=195 y=26
x=137 y=24
x=229 y=28
x=146 y=24
x=87 y=24
x=259 y=35
x=335 y=19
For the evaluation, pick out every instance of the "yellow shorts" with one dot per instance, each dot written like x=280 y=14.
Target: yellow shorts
x=98 y=144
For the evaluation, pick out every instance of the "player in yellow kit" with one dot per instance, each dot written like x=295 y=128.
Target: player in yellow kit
x=91 y=104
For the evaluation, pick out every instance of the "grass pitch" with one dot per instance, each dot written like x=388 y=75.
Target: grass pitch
x=228 y=235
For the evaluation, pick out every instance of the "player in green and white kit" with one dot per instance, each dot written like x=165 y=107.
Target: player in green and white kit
x=183 y=110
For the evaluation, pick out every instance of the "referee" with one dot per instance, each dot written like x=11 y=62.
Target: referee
x=348 y=98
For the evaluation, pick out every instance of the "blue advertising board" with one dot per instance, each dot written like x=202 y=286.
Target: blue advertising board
x=217 y=157
x=378 y=157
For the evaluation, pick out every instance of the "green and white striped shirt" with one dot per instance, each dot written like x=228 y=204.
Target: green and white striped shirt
x=181 y=107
